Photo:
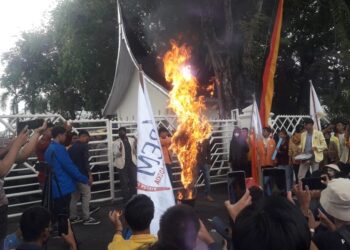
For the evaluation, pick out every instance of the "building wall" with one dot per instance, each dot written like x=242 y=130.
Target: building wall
x=127 y=110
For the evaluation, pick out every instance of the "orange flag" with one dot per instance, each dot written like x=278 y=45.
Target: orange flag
x=270 y=68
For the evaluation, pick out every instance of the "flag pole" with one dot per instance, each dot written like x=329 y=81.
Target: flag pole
x=312 y=96
x=253 y=142
x=254 y=100
x=141 y=76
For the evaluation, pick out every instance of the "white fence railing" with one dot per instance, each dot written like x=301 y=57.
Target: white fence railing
x=287 y=122
x=21 y=183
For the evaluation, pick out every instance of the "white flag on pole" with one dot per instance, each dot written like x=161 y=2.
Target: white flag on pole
x=316 y=110
x=152 y=176
x=256 y=121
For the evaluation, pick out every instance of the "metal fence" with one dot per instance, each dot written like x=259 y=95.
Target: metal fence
x=21 y=183
x=287 y=122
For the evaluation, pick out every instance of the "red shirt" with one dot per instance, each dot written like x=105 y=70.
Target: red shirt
x=41 y=147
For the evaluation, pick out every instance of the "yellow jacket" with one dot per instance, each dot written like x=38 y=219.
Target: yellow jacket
x=318 y=142
x=134 y=243
x=336 y=142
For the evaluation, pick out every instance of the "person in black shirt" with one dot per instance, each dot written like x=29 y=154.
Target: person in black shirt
x=79 y=153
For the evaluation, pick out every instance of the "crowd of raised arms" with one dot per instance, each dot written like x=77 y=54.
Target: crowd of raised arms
x=307 y=207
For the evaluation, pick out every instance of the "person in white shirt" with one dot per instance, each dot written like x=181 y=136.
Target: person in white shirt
x=124 y=154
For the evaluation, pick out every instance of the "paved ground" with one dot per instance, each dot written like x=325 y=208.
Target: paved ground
x=98 y=237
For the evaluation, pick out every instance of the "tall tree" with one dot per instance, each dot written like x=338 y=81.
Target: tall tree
x=69 y=65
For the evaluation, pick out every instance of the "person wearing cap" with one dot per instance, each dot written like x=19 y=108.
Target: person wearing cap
x=332 y=171
x=335 y=201
x=314 y=143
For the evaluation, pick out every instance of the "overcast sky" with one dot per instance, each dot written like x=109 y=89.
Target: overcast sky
x=17 y=16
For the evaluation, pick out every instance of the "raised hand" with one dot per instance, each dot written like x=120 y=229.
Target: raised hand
x=22 y=138
x=235 y=209
x=326 y=221
x=114 y=217
x=69 y=238
x=304 y=197
x=42 y=129
x=204 y=234
x=67 y=126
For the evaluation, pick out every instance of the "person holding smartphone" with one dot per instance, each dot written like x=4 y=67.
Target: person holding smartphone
x=16 y=152
x=35 y=226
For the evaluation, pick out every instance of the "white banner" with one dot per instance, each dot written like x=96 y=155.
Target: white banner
x=256 y=121
x=152 y=176
x=316 y=110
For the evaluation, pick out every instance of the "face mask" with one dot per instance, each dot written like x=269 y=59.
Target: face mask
x=236 y=134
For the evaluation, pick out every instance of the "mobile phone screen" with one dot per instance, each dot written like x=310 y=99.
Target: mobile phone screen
x=274 y=182
x=313 y=183
x=31 y=124
x=236 y=185
x=62 y=224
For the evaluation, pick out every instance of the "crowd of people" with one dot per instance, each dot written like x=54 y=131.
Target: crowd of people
x=300 y=219
x=315 y=149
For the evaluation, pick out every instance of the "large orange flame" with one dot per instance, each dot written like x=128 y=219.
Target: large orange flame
x=193 y=127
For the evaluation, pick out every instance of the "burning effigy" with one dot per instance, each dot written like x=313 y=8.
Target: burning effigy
x=193 y=126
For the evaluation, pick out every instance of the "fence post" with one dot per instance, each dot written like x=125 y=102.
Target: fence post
x=110 y=157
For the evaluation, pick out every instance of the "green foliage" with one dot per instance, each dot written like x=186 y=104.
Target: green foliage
x=315 y=47
x=70 y=65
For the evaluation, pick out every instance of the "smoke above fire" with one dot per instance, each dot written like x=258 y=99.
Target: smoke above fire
x=193 y=126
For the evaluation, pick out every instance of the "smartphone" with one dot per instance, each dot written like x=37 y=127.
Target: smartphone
x=274 y=182
x=221 y=227
x=62 y=224
x=236 y=185
x=314 y=183
x=31 y=124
